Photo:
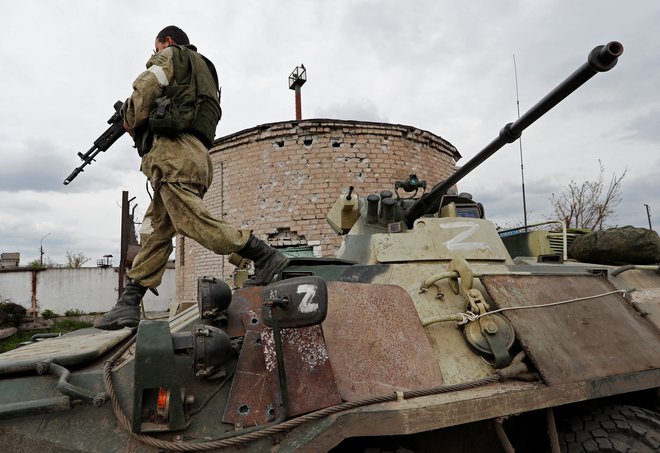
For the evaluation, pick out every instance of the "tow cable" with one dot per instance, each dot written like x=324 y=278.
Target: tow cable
x=516 y=368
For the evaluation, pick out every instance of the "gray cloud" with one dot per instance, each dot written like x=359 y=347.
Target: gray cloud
x=360 y=110
x=445 y=67
x=41 y=165
x=645 y=127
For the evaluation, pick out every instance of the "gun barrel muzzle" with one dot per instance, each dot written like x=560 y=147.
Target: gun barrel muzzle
x=603 y=58
x=73 y=174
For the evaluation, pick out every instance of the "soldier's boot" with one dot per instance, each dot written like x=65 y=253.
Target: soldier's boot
x=126 y=313
x=267 y=261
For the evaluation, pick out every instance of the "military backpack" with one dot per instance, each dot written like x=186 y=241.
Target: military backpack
x=192 y=104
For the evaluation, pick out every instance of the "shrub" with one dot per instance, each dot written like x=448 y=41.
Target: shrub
x=73 y=312
x=11 y=314
x=48 y=314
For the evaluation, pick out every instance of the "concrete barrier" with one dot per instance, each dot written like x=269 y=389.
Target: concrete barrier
x=85 y=289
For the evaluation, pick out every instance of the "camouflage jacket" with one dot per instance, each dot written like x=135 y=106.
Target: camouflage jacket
x=182 y=158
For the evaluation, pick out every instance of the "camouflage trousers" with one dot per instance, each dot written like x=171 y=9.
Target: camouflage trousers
x=178 y=208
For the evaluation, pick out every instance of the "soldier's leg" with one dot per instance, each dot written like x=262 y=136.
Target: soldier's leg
x=147 y=271
x=151 y=261
x=191 y=218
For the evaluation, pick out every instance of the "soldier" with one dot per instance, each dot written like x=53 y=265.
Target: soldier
x=172 y=115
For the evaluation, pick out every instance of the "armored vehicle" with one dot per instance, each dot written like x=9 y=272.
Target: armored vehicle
x=424 y=334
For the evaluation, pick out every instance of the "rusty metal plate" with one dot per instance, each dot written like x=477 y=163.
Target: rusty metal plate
x=578 y=341
x=647 y=302
x=244 y=312
x=376 y=341
x=251 y=400
x=255 y=396
x=310 y=380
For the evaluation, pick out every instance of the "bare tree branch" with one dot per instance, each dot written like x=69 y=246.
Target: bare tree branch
x=75 y=260
x=589 y=204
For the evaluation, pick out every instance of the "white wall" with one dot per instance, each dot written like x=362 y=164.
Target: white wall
x=88 y=289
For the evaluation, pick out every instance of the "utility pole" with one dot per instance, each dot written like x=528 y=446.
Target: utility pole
x=125 y=240
x=41 y=250
x=648 y=215
x=296 y=80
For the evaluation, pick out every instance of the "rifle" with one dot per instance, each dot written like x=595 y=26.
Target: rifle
x=105 y=141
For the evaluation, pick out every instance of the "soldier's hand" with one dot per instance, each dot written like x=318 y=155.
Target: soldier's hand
x=129 y=129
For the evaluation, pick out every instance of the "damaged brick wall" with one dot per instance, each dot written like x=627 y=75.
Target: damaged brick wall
x=284 y=176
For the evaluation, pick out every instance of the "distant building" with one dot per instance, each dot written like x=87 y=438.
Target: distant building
x=280 y=179
x=9 y=260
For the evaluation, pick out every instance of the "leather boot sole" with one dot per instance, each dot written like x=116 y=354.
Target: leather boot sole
x=118 y=318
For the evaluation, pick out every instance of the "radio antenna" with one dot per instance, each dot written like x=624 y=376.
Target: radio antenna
x=522 y=167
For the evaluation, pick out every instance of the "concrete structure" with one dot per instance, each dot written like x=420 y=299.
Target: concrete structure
x=280 y=179
x=9 y=260
x=87 y=289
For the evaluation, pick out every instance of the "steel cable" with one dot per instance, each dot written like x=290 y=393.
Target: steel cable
x=234 y=438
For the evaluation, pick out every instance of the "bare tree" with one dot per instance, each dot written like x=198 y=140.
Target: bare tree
x=589 y=204
x=75 y=260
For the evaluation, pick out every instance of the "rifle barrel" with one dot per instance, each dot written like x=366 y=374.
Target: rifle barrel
x=73 y=174
x=105 y=141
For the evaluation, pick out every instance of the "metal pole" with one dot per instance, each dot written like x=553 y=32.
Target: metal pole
x=123 y=241
x=648 y=215
x=298 y=104
x=41 y=250
x=522 y=169
x=296 y=80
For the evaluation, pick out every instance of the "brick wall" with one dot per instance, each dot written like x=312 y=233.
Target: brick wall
x=280 y=179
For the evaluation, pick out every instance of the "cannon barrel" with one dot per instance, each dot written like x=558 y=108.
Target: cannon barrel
x=600 y=59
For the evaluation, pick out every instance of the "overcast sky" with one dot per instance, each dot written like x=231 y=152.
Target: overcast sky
x=443 y=66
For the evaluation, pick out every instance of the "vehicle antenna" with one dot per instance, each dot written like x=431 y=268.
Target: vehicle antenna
x=522 y=169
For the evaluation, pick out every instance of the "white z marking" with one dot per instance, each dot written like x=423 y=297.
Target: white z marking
x=306 y=306
x=456 y=243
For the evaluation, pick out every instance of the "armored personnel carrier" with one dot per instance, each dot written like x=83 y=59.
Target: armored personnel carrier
x=424 y=334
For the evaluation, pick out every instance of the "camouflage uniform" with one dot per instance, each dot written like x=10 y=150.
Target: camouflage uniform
x=180 y=171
